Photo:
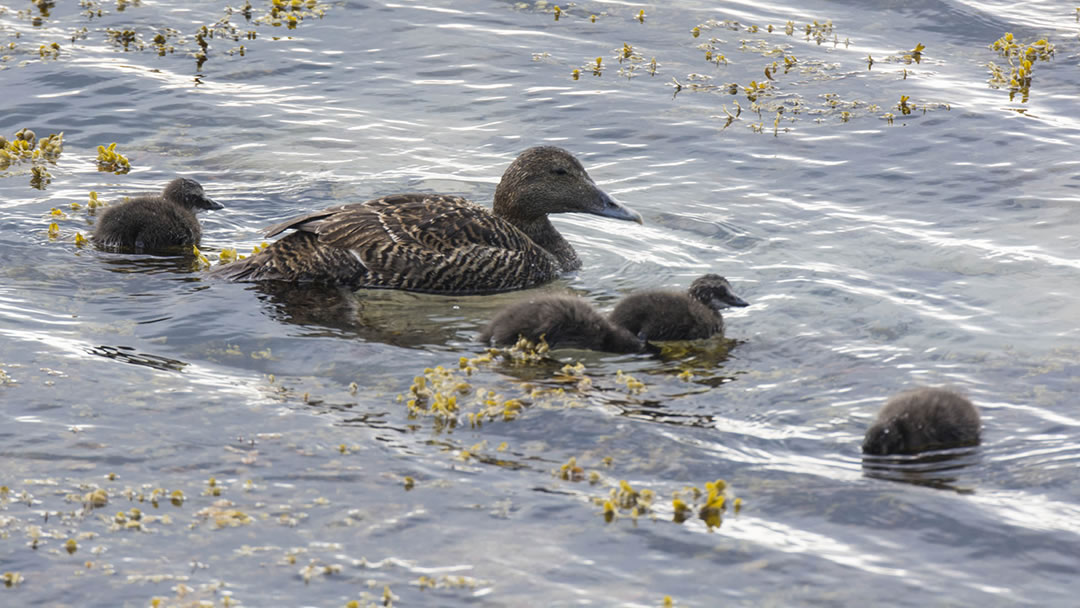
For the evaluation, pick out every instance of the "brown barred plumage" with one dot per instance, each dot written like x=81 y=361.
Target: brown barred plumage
x=437 y=242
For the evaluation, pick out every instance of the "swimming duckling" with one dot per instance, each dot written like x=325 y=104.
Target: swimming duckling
x=563 y=321
x=156 y=221
x=923 y=419
x=670 y=315
x=441 y=243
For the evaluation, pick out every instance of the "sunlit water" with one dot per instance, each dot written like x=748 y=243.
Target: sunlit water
x=940 y=247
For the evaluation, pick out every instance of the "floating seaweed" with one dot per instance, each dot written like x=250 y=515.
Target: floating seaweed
x=1021 y=60
x=49 y=51
x=709 y=504
x=109 y=159
x=22 y=148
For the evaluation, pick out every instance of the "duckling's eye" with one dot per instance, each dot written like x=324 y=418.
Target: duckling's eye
x=560 y=171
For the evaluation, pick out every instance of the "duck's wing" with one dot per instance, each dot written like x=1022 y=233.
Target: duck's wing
x=431 y=222
x=419 y=242
x=308 y=222
x=433 y=242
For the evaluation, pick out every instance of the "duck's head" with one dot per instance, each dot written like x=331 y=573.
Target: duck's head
x=189 y=193
x=547 y=179
x=715 y=292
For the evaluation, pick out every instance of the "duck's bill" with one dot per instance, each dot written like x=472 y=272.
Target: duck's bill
x=209 y=203
x=613 y=209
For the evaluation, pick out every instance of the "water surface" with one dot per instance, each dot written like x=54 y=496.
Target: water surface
x=879 y=250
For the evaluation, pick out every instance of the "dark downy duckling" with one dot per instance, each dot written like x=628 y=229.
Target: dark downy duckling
x=923 y=419
x=670 y=315
x=441 y=243
x=563 y=321
x=156 y=221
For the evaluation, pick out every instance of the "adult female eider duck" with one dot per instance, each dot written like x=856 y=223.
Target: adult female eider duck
x=563 y=322
x=923 y=419
x=156 y=221
x=441 y=243
x=671 y=315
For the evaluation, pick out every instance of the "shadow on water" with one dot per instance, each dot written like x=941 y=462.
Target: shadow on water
x=126 y=354
x=938 y=469
x=723 y=232
x=678 y=369
x=702 y=360
x=172 y=263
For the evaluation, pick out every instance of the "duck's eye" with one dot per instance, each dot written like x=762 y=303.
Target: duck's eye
x=560 y=171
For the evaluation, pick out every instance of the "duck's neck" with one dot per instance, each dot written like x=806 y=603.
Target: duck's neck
x=544 y=234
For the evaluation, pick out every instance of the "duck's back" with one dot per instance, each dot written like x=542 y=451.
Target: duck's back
x=147 y=223
x=563 y=322
x=417 y=242
x=666 y=315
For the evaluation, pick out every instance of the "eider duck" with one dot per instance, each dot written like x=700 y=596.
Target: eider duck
x=923 y=419
x=156 y=221
x=441 y=243
x=563 y=321
x=670 y=315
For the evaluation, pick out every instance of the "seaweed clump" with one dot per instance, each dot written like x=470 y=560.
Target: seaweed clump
x=25 y=147
x=109 y=159
x=453 y=396
x=1021 y=60
x=709 y=504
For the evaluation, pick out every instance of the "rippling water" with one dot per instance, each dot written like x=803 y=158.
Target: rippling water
x=879 y=250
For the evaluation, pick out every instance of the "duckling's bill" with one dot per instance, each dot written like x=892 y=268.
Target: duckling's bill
x=205 y=202
x=730 y=299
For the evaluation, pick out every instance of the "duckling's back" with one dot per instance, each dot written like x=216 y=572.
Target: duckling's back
x=147 y=223
x=923 y=419
x=666 y=315
x=563 y=322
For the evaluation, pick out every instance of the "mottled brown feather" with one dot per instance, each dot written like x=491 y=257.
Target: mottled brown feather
x=403 y=241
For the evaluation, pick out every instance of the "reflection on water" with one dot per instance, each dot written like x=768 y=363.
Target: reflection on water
x=896 y=219
x=392 y=317
x=174 y=265
x=127 y=354
x=939 y=469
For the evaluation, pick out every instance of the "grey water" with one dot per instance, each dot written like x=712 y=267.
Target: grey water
x=894 y=219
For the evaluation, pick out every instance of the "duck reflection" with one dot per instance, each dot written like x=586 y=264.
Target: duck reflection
x=184 y=265
x=127 y=354
x=940 y=469
x=394 y=317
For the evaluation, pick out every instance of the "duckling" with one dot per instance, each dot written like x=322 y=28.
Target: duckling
x=440 y=243
x=923 y=419
x=156 y=222
x=670 y=315
x=563 y=321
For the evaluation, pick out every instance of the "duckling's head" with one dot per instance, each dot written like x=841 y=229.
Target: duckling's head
x=547 y=179
x=189 y=193
x=715 y=292
x=883 y=438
